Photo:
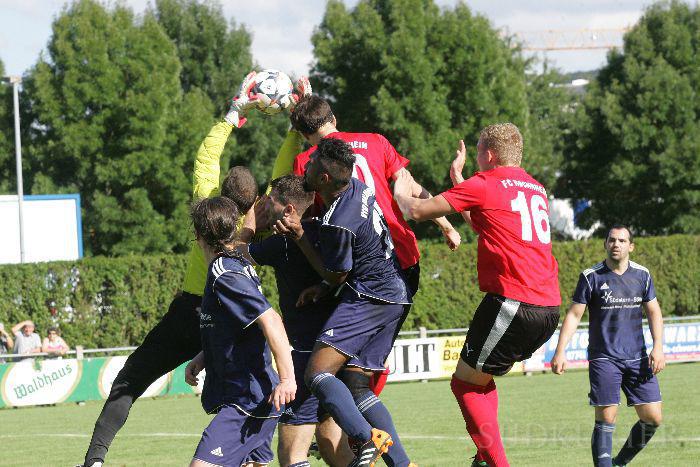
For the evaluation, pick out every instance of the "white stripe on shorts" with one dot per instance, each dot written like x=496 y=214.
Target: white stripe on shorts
x=503 y=320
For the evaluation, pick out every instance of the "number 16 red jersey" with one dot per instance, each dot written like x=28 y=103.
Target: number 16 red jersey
x=509 y=211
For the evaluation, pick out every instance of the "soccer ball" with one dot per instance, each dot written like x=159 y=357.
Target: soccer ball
x=275 y=90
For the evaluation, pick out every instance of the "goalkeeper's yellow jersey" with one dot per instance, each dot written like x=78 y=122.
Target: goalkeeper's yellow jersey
x=207 y=170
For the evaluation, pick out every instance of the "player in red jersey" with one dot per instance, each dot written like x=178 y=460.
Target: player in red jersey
x=508 y=209
x=377 y=163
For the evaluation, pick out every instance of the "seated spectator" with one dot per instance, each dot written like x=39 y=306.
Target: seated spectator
x=26 y=340
x=6 y=342
x=54 y=345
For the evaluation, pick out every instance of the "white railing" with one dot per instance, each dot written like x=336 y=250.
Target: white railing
x=422 y=332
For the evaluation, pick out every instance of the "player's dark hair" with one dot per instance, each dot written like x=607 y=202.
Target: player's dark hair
x=620 y=227
x=215 y=221
x=290 y=190
x=337 y=159
x=240 y=186
x=310 y=114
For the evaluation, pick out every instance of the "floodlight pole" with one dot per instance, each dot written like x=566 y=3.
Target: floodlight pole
x=16 y=81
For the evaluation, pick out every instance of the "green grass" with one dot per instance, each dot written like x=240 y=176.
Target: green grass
x=545 y=420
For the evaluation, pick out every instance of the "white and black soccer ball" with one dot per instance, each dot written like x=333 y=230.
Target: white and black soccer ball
x=275 y=90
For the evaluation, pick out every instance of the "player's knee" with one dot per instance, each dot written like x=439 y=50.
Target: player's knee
x=356 y=381
x=653 y=419
x=312 y=378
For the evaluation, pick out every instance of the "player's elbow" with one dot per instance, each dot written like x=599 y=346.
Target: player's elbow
x=417 y=213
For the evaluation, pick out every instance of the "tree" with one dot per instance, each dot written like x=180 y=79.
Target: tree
x=215 y=56
x=423 y=76
x=552 y=108
x=635 y=151
x=103 y=106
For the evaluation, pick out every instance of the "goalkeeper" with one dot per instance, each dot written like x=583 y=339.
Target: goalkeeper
x=175 y=339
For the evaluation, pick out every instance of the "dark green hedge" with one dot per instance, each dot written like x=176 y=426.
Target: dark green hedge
x=103 y=302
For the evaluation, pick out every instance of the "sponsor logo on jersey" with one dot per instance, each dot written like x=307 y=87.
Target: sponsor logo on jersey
x=604 y=286
x=218 y=452
x=468 y=350
x=329 y=333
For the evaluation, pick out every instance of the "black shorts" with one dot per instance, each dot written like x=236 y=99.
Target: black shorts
x=505 y=331
x=173 y=341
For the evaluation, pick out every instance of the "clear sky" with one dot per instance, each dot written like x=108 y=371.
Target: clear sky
x=282 y=28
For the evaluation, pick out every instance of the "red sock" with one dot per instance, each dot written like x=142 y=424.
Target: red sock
x=378 y=381
x=482 y=421
x=492 y=395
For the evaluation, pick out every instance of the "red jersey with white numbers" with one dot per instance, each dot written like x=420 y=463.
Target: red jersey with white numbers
x=509 y=211
x=376 y=161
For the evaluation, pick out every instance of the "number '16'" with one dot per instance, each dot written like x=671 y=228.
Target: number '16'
x=536 y=213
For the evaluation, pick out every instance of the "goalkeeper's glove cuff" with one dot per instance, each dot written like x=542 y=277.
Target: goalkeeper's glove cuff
x=234 y=119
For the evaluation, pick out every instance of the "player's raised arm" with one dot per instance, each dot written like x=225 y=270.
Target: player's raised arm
x=456 y=176
x=416 y=208
x=294 y=141
x=452 y=237
x=273 y=329
x=568 y=328
x=207 y=165
x=657 y=360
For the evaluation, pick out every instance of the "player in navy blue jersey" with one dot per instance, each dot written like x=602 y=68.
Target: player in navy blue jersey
x=615 y=291
x=355 y=251
x=238 y=328
x=303 y=324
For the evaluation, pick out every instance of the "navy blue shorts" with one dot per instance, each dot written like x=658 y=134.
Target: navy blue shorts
x=233 y=438
x=364 y=330
x=634 y=377
x=304 y=409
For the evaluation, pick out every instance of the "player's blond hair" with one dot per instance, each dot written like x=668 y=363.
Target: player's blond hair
x=505 y=140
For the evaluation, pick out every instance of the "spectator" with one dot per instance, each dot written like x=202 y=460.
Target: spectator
x=26 y=340
x=6 y=342
x=53 y=344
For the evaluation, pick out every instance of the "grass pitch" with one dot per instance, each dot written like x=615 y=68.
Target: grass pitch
x=545 y=420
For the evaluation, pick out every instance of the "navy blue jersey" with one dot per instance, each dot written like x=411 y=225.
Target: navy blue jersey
x=236 y=355
x=615 y=310
x=354 y=238
x=294 y=274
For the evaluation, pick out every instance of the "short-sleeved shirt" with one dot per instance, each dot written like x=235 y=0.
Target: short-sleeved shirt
x=376 y=161
x=615 y=310
x=355 y=238
x=23 y=344
x=236 y=355
x=509 y=211
x=294 y=274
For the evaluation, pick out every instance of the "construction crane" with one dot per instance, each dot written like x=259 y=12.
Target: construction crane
x=563 y=39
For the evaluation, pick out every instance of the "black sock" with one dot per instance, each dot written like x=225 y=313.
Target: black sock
x=601 y=444
x=640 y=434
